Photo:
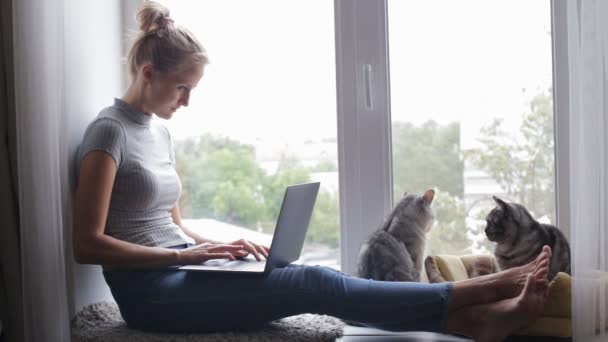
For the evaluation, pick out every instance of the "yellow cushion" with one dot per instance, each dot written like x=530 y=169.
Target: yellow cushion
x=484 y=264
x=559 y=301
x=451 y=267
x=556 y=317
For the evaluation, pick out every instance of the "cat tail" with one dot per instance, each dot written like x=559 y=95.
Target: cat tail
x=432 y=271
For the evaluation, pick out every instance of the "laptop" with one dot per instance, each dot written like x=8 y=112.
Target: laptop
x=287 y=241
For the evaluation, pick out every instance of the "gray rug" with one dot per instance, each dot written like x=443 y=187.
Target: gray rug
x=102 y=322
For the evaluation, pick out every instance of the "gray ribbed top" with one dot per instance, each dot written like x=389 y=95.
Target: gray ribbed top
x=146 y=187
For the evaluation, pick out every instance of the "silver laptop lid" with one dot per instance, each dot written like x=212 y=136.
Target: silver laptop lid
x=292 y=224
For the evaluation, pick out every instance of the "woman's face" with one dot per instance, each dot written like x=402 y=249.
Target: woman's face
x=166 y=93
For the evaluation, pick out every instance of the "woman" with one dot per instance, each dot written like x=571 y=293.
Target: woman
x=126 y=219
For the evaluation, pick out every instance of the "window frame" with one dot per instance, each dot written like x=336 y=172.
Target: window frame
x=367 y=188
x=561 y=114
x=364 y=122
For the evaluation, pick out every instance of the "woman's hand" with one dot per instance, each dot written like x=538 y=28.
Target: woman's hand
x=200 y=253
x=251 y=247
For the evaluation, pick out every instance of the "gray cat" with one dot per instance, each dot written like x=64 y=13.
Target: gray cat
x=520 y=238
x=395 y=251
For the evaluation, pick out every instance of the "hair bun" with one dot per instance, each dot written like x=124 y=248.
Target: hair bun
x=153 y=16
x=164 y=21
x=168 y=47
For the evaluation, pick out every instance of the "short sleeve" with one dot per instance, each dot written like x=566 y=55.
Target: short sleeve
x=172 y=152
x=103 y=134
x=171 y=146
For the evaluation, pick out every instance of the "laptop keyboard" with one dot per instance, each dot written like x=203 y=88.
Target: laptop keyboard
x=245 y=265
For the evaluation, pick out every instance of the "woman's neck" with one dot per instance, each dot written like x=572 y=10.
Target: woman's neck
x=134 y=97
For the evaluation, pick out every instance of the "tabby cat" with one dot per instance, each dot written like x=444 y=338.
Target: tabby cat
x=520 y=238
x=395 y=251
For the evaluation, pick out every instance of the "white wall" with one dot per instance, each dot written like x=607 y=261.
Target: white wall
x=92 y=78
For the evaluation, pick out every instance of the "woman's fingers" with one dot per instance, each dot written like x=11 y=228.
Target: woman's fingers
x=249 y=247
x=204 y=252
x=262 y=250
x=239 y=248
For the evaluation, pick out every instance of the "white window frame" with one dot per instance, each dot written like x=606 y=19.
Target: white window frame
x=364 y=123
x=561 y=107
x=364 y=131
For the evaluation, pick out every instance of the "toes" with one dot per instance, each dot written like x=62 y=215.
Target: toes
x=548 y=250
x=542 y=274
x=545 y=254
x=530 y=285
x=542 y=266
x=541 y=255
x=542 y=283
x=539 y=264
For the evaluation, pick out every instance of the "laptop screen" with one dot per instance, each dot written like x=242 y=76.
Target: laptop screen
x=292 y=224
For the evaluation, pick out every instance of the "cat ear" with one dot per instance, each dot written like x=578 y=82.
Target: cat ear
x=428 y=196
x=501 y=203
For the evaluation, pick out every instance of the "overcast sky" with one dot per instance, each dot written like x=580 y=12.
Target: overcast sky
x=272 y=71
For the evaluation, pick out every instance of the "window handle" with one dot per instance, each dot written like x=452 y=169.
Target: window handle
x=367 y=74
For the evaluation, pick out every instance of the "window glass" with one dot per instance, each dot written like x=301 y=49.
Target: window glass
x=472 y=112
x=262 y=117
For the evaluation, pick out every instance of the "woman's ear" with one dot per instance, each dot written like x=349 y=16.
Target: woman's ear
x=147 y=71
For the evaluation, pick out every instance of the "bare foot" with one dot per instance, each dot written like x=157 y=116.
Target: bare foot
x=509 y=283
x=498 y=286
x=499 y=319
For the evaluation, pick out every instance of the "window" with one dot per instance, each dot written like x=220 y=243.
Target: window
x=472 y=112
x=468 y=111
x=262 y=117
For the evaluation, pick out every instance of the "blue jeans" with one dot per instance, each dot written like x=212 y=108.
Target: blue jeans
x=170 y=300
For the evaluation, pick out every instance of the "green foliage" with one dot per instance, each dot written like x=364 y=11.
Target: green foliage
x=448 y=236
x=477 y=225
x=288 y=172
x=426 y=157
x=325 y=221
x=523 y=165
x=222 y=180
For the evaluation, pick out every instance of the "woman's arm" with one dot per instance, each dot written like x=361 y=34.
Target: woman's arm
x=92 y=246
x=248 y=246
x=177 y=219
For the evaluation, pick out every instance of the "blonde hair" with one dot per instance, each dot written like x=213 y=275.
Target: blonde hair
x=162 y=43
